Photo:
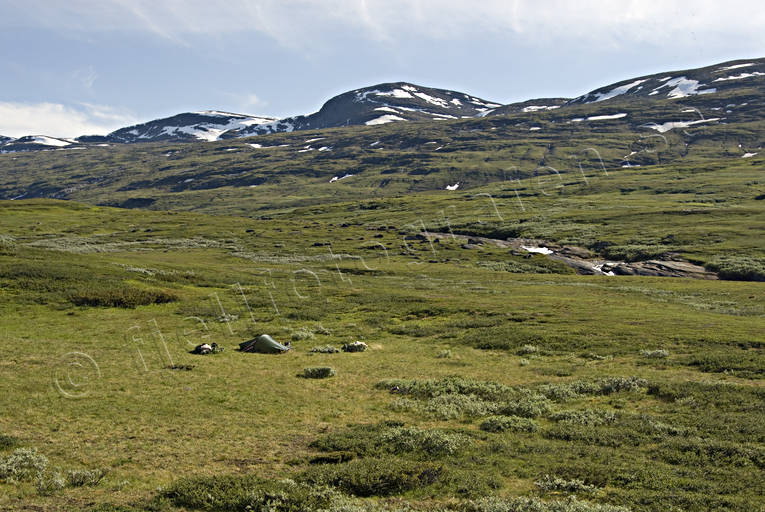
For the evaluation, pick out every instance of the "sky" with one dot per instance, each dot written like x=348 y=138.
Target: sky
x=76 y=67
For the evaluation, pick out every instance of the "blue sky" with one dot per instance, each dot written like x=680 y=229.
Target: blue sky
x=79 y=67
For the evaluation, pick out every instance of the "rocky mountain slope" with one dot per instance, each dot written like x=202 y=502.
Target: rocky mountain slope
x=190 y=126
x=730 y=91
x=35 y=143
x=380 y=104
x=680 y=84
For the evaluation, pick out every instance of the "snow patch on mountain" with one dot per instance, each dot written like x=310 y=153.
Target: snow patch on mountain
x=432 y=100
x=737 y=66
x=616 y=91
x=682 y=87
x=740 y=76
x=665 y=127
x=536 y=108
x=395 y=93
x=338 y=178
x=607 y=116
x=387 y=118
x=49 y=141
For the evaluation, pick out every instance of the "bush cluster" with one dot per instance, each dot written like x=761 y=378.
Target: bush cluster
x=121 y=296
x=434 y=443
x=381 y=476
x=655 y=354
x=554 y=484
x=22 y=465
x=591 y=417
x=318 y=372
x=738 y=268
x=325 y=349
x=570 y=390
x=248 y=493
x=509 y=424
x=570 y=504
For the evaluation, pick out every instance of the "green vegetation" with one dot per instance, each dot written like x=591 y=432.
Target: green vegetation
x=491 y=379
x=318 y=372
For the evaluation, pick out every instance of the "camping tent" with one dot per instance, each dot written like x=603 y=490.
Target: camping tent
x=263 y=344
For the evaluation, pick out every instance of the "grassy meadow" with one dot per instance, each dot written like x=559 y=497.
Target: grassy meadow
x=495 y=380
x=492 y=382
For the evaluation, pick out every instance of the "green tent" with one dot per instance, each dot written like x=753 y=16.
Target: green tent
x=263 y=344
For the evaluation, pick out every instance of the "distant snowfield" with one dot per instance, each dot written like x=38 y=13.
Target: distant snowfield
x=220 y=122
x=737 y=66
x=45 y=141
x=607 y=116
x=682 y=87
x=740 y=76
x=338 y=178
x=387 y=118
x=536 y=108
x=604 y=117
x=616 y=91
x=665 y=127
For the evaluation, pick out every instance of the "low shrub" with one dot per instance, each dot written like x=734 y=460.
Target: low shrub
x=571 y=504
x=379 y=476
x=602 y=436
x=430 y=388
x=570 y=390
x=118 y=297
x=326 y=349
x=84 y=477
x=22 y=465
x=738 y=268
x=7 y=245
x=748 y=364
x=591 y=417
x=509 y=424
x=356 y=346
x=318 y=372
x=434 y=443
x=554 y=484
x=528 y=349
x=302 y=334
x=631 y=253
x=697 y=451
x=655 y=354
x=7 y=441
x=248 y=493
x=448 y=407
x=50 y=484
x=532 y=405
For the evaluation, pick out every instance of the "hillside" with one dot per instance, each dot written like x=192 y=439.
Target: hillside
x=562 y=303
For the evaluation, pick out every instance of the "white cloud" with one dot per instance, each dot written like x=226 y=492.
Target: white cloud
x=86 y=76
x=57 y=120
x=251 y=101
x=304 y=23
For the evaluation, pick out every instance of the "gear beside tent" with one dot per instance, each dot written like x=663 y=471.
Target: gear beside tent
x=264 y=344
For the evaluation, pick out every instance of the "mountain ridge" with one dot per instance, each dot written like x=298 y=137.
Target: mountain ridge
x=406 y=102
